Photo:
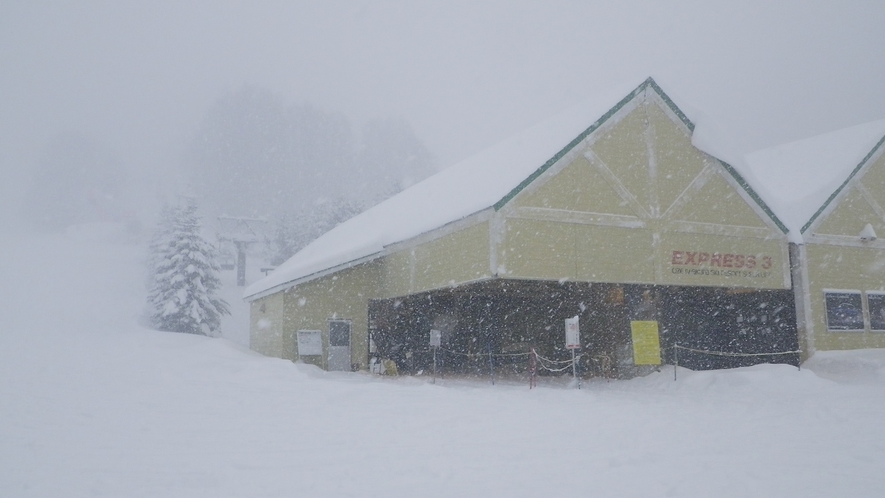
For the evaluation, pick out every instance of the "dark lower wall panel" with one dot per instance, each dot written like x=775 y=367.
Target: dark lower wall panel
x=488 y=327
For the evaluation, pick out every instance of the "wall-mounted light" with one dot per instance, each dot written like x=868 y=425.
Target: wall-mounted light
x=867 y=234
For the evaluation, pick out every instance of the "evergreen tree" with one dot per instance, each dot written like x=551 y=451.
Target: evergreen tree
x=184 y=275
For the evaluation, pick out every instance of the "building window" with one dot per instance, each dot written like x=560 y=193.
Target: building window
x=876 y=305
x=844 y=311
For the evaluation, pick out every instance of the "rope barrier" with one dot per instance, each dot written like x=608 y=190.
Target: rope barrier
x=567 y=363
x=555 y=370
x=726 y=353
x=483 y=355
x=547 y=364
x=677 y=347
x=558 y=362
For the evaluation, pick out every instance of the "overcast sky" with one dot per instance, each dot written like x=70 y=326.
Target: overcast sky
x=138 y=76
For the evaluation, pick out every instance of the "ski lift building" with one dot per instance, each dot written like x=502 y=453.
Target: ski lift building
x=607 y=212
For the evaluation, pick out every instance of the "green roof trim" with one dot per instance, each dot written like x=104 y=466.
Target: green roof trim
x=749 y=190
x=833 y=196
x=550 y=162
x=650 y=82
x=672 y=105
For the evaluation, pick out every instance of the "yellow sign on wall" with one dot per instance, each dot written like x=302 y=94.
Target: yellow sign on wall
x=646 y=342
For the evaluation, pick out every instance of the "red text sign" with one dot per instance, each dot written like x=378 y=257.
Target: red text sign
x=721 y=260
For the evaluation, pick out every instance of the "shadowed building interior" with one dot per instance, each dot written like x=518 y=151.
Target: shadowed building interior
x=491 y=326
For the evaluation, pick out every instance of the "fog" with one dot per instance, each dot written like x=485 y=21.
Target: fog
x=137 y=81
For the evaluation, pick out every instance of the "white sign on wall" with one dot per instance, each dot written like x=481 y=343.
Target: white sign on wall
x=310 y=342
x=572 y=333
x=435 y=338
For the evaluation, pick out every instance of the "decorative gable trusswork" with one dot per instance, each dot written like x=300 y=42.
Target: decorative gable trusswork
x=858 y=202
x=632 y=200
x=635 y=167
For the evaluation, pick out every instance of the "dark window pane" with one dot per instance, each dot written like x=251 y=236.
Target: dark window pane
x=877 y=311
x=844 y=311
x=339 y=333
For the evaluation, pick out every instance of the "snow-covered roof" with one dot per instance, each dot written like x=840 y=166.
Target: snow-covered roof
x=799 y=177
x=480 y=182
x=461 y=190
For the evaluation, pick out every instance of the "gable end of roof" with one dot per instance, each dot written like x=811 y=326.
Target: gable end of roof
x=752 y=193
x=672 y=105
x=571 y=145
x=844 y=184
x=648 y=83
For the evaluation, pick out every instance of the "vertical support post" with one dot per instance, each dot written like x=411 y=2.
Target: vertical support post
x=675 y=359
x=533 y=368
x=491 y=364
x=241 y=264
x=435 y=342
x=575 y=369
x=573 y=342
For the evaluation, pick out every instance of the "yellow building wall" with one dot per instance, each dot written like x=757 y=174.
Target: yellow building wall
x=579 y=187
x=613 y=254
x=624 y=150
x=838 y=260
x=723 y=261
x=850 y=217
x=874 y=180
x=861 y=204
x=266 y=325
x=537 y=249
x=554 y=251
x=455 y=258
x=718 y=203
x=677 y=161
x=642 y=205
x=843 y=268
x=397 y=274
x=343 y=295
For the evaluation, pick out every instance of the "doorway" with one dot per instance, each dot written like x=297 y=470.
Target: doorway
x=339 y=345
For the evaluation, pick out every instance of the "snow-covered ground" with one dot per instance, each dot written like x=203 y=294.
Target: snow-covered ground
x=94 y=404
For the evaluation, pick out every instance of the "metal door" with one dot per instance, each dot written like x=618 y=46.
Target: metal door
x=339 y=345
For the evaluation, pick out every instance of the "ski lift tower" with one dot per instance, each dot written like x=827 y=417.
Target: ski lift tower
x=242 y=232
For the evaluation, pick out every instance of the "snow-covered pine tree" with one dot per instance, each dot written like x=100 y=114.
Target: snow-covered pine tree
x=185 y=275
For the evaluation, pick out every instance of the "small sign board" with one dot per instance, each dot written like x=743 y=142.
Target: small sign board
x=310 y=343
x=572 y=333
x=646 y=342
x=435 y=338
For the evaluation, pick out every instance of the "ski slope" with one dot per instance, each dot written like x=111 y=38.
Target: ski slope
x=94 y=404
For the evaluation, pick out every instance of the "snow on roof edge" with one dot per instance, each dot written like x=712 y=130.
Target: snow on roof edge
x=478 y=182
x=803 y=177
x=709 y=135
x=841 y=187
x=312 y=260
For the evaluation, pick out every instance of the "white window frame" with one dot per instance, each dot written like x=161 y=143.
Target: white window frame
x=863 y=311
x=869 y=310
